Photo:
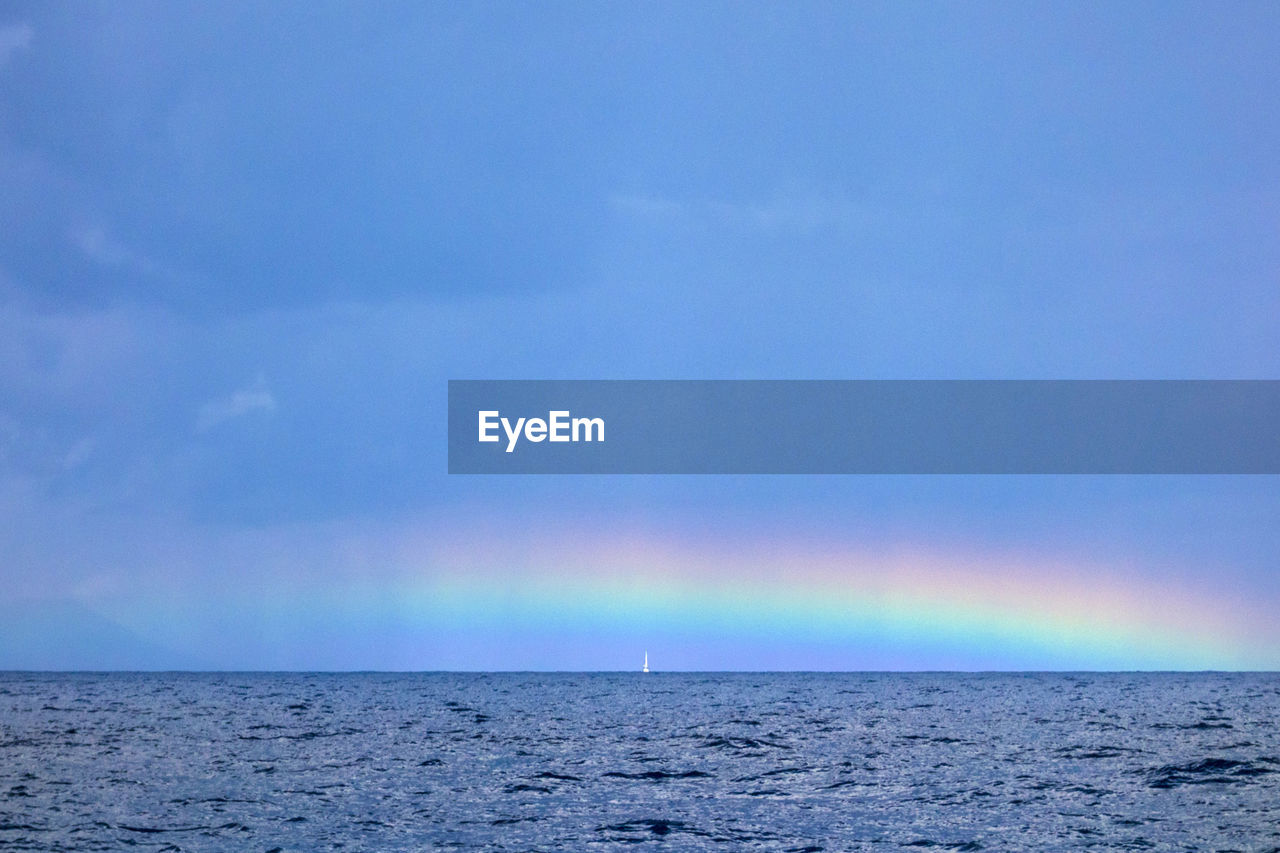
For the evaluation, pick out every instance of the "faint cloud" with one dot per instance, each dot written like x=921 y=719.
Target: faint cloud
x=784 y=213
x=95 y=586
x=99 y=246
x=14 y=38
x=255 y=398
x=37 y=453
x=77 y=357
x=9 y=432
x=78 y=454
x=648 y=207
x=798 y=213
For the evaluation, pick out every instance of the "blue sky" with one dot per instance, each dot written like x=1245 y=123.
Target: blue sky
x=243 y=247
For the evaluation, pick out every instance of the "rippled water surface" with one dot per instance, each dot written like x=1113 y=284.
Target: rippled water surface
x=789 y=762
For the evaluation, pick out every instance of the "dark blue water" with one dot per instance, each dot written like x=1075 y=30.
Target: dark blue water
x=788 y=762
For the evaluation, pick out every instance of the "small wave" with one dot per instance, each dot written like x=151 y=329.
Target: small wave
x=945 y=845
x=657 y=775
x=460 y=709
x=151 y=830
x=1242 y=744
x=507 y=821
x=521 y=787
x=654 y=827
x=1203 y=772
x=304 y=735
x=741 y=743
x=1088 y=790
x=1095 y=752
x=783 y=771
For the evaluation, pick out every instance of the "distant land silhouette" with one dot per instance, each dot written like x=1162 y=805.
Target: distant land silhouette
x=63 y=634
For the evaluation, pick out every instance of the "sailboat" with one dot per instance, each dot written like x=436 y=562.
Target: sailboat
x=646 y=662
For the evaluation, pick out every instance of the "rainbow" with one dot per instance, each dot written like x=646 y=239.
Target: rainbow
x=472 y=597
x=1027 y=610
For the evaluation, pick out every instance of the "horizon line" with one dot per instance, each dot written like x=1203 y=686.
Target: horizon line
x=161 y=671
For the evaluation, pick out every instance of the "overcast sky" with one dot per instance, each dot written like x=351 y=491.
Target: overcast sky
x=244 y=246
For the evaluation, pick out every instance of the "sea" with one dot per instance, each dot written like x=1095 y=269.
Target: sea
x=796 y=762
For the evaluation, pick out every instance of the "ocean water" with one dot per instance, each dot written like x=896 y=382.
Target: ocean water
x=787 y=762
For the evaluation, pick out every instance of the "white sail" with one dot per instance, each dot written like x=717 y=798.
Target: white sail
x=646 y=662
